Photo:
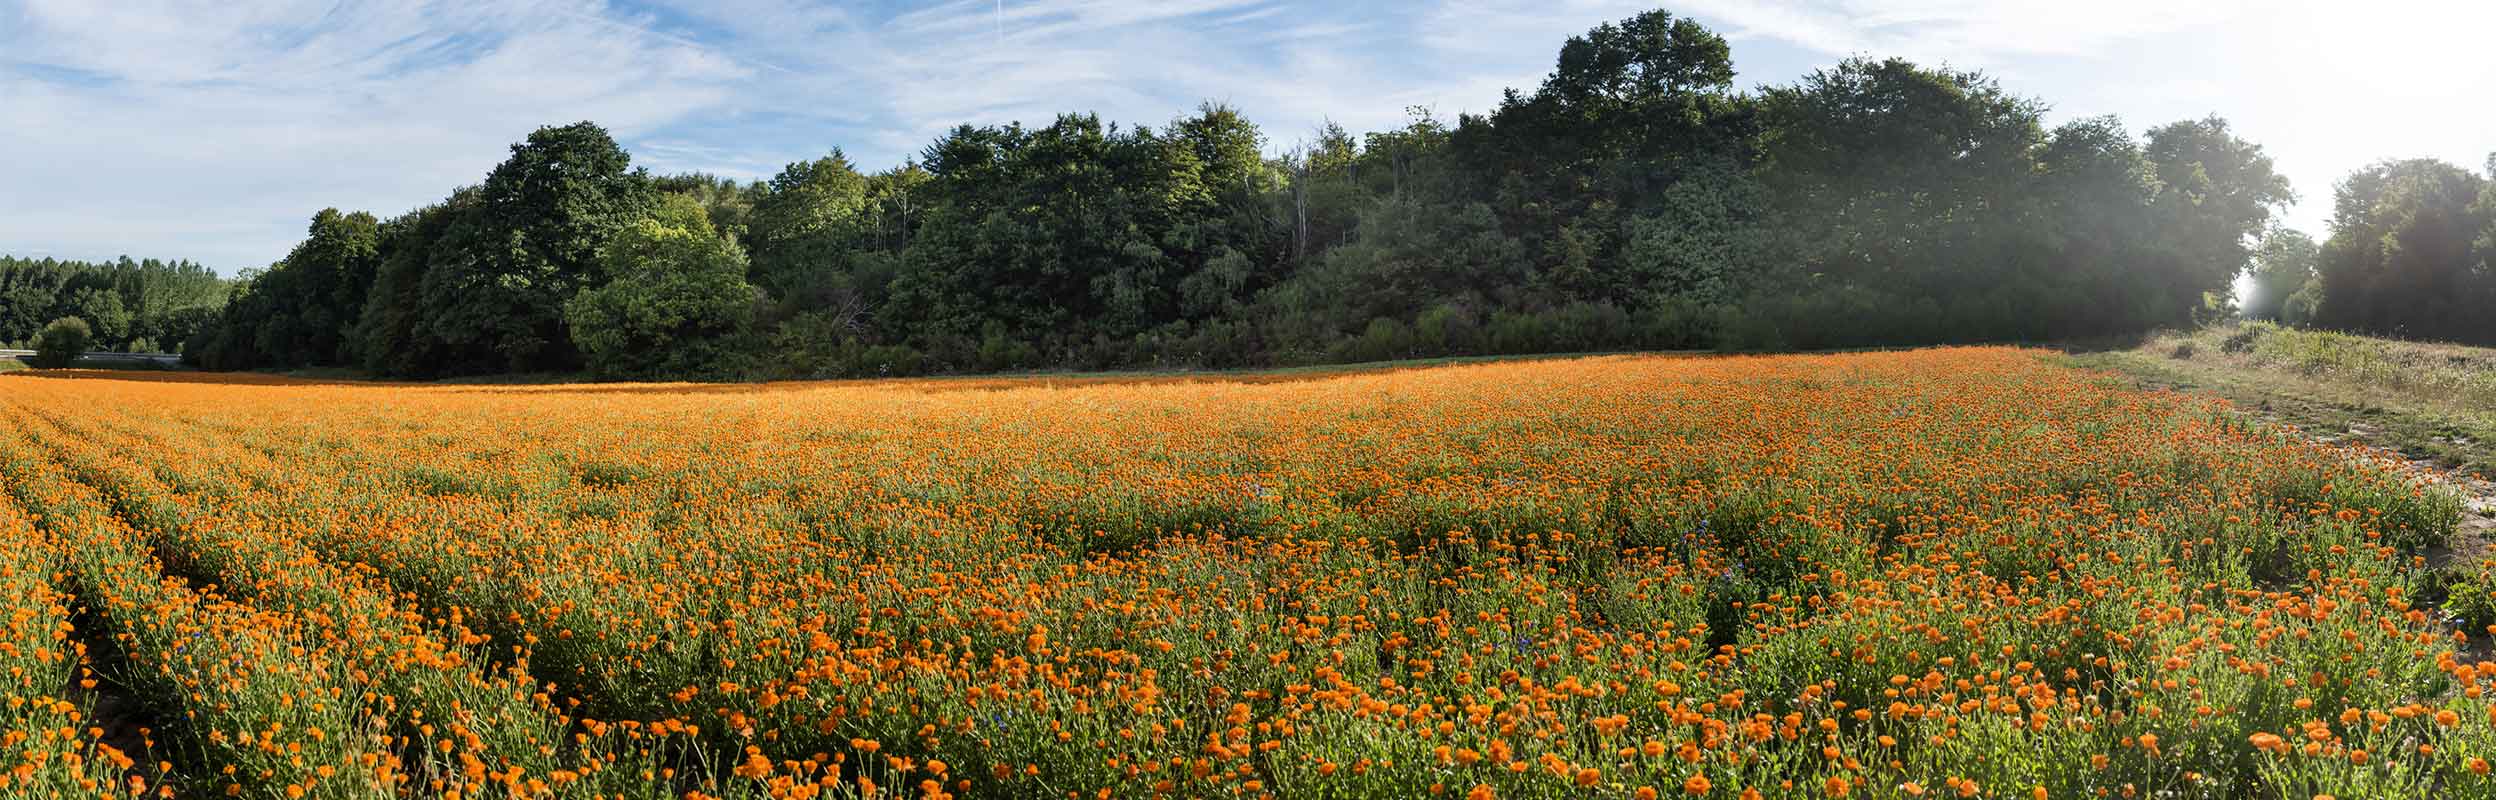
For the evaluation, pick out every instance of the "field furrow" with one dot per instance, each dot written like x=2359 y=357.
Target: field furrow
x=264 y=710
x=459 y=723
x=49 y=743
x=1965 y=571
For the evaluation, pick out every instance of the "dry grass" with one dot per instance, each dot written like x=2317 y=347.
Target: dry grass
x=2429 y=401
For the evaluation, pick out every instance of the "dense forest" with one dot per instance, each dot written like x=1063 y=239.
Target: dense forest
x=1635 y=199
x=129 y=305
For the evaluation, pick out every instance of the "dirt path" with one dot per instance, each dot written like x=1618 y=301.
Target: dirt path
x=2477 y=530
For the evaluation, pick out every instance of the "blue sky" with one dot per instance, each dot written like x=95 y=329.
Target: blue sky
x=213 y=130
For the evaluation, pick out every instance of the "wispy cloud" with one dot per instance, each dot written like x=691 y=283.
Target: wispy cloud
x=213 y=129
x=2324 y=85
x=1988 y=33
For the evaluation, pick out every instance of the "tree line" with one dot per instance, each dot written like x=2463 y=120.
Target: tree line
x=2412 y=253
x=1634 y=199
x=140 y=306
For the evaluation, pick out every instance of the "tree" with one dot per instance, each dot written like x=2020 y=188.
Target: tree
x=1891 y=178
x=2215 y=193
x=101 y=310
x=729 y=204
x=145 y=292
x=301 y=310
x=1632 y=196
x=1707 y=242
x=1326 y=191
x=1227 y=149
x=61 y=343
x=678 y=295
x=1072 y=237
x=2076 y=237
x=808 y=225
x=494 y=289
x=2401 y=259
x=2282 y=266
x=1630 y=109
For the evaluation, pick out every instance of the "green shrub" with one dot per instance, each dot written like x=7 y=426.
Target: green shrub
x=675 y=304
x=62 y=342
x=889 y=360
x=1385 y=339
x=1000 y=351
x=2244 y=337
x=1448 y=329
x=1681 y=324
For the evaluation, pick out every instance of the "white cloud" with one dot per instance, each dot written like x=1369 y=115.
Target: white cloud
x=212 y=130
x=1968 y=31
x=2325 y=86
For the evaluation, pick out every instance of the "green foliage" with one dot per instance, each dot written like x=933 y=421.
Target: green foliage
x=728 y=204
x=676 y=299
x=2407 y=254
x=1707 y=243
x=2282 y=267
x=125 y=300
x=301 y=310
x=103 y=311
x=61 y=342
x=389 y=337
x=1633 y=198
x=476 y=284
x=807 y=222
x=2215 y=192
x=493 y=292
x=1082 y=231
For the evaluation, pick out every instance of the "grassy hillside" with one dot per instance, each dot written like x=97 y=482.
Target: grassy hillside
x=2431 y=402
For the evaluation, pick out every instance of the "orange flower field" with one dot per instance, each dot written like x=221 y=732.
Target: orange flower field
x=1944 y=573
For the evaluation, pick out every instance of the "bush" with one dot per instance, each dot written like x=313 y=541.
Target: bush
x=890 y=360
x=1682 y=324
x=1214 y=343
x=1588 y=327
x=1838 y=317
x=825 y=346
x=62 y=342
x=815 y=346
x=2244 y=337
x=1000 y=351
x=1448 y=330
x=677 y=301
x=1386 y=339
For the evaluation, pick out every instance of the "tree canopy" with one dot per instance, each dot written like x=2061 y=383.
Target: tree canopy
x=1633 y=199
x=2410 y=254
x=148 y=305
x=675 y=299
